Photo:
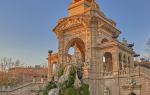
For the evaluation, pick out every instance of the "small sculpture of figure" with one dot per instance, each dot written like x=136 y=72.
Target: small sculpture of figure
x=106 y=91
x=86 y=64
x=68 y=59
x=124 y=41
x=105 y=67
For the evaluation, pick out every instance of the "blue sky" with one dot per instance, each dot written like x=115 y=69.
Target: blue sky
x=26 y=25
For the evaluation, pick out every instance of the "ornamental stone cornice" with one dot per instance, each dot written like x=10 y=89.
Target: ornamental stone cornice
x=54 y=56
x=71 y=22
x=116 y=43
x=131 y=86
x=107 y=25
x=124 y=47
x=85 y=21
x=112 y=30
x=107 y=45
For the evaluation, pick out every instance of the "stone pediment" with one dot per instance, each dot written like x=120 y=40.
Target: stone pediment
x=70 y=22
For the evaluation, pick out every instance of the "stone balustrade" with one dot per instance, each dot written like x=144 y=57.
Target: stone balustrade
x=107 y=74
x=17 y=87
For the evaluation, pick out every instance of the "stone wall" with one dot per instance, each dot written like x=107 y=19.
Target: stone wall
x=141 y=82
x=145 y=80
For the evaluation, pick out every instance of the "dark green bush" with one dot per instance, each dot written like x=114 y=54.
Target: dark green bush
x=70 y=91
x=51 y=85
x=71 y=77
x=45 y=92
x=84 y=89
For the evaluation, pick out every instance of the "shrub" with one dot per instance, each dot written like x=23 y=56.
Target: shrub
x=80 y=73
x=51 y=85
x=67 y=88
x=60 y=71
x=71 y=77
x=70 y=91
x=84 y=90
x=45 y=92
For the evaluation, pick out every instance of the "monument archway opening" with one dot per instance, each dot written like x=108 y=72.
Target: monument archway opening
x=107 y=60
x=75 y=51
x=132 y=93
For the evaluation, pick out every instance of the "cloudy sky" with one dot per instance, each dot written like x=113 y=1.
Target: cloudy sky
x=26 y=25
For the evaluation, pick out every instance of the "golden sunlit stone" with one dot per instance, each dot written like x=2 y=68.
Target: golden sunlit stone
x=107 y=64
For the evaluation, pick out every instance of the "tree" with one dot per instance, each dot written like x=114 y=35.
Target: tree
x=5 y=65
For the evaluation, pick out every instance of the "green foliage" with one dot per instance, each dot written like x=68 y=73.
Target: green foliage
x=51 y=85
x=79 y=72
x=84 y=90
x=71 y=77
x=67 y=88
x=70 y=91
x=60 y=71
x=45 y=92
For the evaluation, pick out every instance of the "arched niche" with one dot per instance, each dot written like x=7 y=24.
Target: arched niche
x=54 y=67
x=79 y=47
x=125 y=61
x=104 y=40
x=129 y=60
x=132 y=93
x=107 y=61
x=120 y=61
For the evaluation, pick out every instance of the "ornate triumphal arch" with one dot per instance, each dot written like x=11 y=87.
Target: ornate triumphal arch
x=95 y=38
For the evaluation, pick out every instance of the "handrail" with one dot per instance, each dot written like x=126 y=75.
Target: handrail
x=19 y=87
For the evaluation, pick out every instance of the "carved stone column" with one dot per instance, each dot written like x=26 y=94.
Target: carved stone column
x=93 y=58
x=115 y=60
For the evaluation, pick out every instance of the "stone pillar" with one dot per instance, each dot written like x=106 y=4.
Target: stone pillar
x=115 y=58
x=93 y=82
x=34 y=80
x=49 y=64
x=3 y=88
x=131 y=63
x=115 y=61
x=122 y=64
x=42 y=80
x=106 y=91
x=8 y=88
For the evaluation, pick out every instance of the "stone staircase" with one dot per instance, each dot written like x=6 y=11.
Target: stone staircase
x=32 y=88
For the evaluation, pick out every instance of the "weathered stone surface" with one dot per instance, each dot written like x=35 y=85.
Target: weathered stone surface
x=111 y=68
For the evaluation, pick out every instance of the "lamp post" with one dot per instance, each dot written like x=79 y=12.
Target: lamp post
x=49 y=63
